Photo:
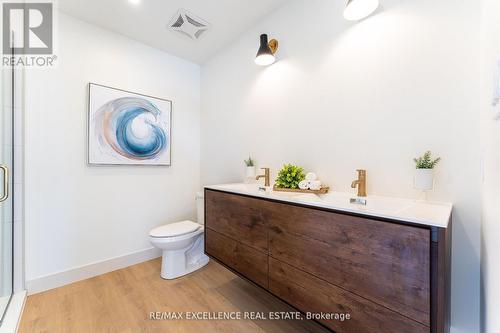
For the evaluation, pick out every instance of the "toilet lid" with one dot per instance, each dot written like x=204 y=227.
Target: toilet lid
x=175 y=229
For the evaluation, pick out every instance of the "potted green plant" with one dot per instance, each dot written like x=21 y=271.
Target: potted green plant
x=250 y=171
x=424 y=175
x=290 y=176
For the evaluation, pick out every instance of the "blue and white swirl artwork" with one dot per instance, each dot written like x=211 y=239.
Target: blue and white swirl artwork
x=127 y=128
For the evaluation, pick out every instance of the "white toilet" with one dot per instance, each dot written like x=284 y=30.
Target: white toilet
x=182 y=244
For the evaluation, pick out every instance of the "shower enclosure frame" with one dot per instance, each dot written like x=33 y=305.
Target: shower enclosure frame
x=9 y=175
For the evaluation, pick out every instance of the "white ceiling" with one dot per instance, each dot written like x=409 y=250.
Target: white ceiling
x=147 y=22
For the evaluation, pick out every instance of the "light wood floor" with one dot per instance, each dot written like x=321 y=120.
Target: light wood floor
x=121 y=301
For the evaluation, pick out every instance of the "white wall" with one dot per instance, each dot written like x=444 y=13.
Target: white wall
x=76 y=214
x=490 y=135
x=369 y=95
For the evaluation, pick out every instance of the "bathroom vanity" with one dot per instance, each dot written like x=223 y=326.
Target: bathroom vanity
x=386 y=264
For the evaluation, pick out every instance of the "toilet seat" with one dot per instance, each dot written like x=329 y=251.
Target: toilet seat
x=175 y=229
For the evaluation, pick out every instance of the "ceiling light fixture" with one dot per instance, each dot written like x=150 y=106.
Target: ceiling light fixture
x=135 y=2
x=265 y=55
x=356 y=10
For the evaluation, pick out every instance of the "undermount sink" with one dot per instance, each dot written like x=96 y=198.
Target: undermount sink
x=436 y=214
x=260 y=190
x=251 y=188
x=373 y=203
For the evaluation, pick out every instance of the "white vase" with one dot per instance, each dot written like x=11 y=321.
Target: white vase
x=424 y=179
x=250 y=172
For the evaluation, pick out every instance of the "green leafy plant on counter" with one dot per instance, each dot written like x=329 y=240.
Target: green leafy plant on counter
x=290 y=176
x=426 y=161
x=249 y=162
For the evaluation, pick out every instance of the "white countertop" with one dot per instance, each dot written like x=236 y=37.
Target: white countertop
x=406 y=210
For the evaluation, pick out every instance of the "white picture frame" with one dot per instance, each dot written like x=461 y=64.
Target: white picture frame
x=127 y=128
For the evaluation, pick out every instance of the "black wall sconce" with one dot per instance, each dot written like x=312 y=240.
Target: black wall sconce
x=265 y=55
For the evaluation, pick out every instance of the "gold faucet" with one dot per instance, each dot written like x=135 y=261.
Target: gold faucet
x=267 y=180
x=360 y=183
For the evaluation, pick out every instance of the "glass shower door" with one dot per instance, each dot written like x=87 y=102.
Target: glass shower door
x=6 y=187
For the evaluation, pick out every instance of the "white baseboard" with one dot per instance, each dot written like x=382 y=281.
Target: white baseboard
x=59 y=279
x=14 y=312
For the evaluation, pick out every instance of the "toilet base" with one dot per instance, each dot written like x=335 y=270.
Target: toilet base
x=178 y=263
x=170 y=275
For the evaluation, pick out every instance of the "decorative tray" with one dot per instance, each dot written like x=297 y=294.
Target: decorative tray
x=323 y=190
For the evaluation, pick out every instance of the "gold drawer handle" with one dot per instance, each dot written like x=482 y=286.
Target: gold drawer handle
x=5 y=183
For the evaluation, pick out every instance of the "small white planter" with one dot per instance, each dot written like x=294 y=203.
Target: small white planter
x=250 y=173
x=424 y=179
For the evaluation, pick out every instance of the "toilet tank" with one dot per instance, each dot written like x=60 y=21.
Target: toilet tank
x=200 y=206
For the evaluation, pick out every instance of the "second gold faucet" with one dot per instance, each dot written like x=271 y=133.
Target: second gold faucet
x=360 y=183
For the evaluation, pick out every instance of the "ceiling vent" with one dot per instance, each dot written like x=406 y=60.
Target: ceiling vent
x=189 y=24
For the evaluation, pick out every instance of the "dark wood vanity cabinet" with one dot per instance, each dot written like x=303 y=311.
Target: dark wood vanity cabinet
x=388 y=275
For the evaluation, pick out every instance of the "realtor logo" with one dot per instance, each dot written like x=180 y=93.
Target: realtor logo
x=28 y=27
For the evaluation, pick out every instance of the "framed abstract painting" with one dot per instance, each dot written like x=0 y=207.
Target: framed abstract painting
x=126 y=128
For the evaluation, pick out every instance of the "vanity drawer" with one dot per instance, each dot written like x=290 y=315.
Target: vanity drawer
x=237 y=217
x=243 y=259
x=311 y=294
x=386 y=263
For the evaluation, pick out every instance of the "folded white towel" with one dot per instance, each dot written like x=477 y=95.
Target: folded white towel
x=304 y=185
x=314 y=185
x=311 y=176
